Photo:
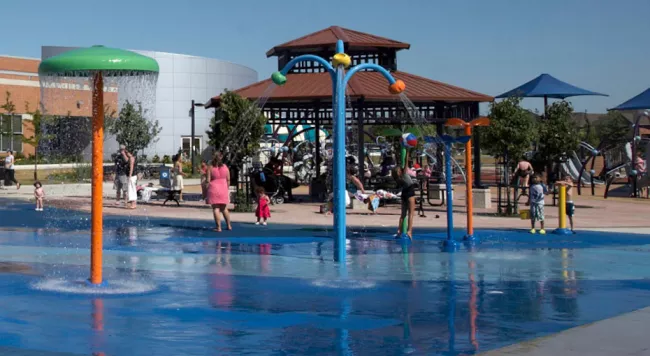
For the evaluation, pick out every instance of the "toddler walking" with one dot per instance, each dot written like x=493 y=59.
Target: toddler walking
x=536 y=202
x=39 y=193
x=263 y=211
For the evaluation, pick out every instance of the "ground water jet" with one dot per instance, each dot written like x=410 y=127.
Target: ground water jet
x=97 y=65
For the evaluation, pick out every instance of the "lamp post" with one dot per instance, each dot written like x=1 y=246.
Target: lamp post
x=192 y=115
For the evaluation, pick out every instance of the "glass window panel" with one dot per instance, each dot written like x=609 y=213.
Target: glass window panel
x=186 y=144
x=5 y=142
x=5 y=124
x=18 y=143
x=17 y=124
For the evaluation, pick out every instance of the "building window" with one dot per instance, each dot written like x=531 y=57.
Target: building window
x=198 y=147
x=11 y=133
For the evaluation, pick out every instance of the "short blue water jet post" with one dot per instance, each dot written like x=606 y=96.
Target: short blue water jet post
x=340 y=61
x=449 y=244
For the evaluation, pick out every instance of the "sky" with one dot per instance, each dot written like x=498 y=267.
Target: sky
x=486 y=46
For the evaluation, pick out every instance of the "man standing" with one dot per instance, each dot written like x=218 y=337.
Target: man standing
x=10 y=173
x=121 y=171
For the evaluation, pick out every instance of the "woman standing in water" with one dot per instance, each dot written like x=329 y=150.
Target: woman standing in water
x=218 y=192
x=178 y=175
x=132 y=181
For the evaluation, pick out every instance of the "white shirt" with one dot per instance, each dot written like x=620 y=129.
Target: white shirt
x=9 y=162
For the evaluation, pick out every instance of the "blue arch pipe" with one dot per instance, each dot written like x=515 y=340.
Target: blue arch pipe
x=339 y=82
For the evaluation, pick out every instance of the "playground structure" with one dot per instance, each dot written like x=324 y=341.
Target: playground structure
x=619 y=161
x=304 y=102
x=98 y=65
x=340 y=79
x=304 y=91
x=467 y=126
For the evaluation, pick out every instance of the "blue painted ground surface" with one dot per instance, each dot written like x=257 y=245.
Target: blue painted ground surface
x=277 y=291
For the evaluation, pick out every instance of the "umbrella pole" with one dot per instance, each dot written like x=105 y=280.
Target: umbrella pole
x=545 y=105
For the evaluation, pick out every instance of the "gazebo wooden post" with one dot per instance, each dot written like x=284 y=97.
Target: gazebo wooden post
x=361 y=136
x=316 y=116
x=477 y=150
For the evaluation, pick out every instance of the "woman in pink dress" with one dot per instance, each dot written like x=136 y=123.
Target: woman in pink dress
x=218 y=193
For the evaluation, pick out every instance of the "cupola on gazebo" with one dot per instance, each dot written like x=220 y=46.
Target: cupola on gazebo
x=306 y=98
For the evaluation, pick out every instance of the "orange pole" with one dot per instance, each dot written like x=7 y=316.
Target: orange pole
x=468 y=184
x=97 y=180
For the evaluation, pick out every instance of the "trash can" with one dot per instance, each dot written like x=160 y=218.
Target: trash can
x=165 y=176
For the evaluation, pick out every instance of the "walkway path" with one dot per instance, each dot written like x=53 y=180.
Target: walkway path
x=622 y=335
x=591 y=212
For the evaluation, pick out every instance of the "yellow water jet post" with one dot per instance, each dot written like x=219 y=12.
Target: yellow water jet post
x=562 y=230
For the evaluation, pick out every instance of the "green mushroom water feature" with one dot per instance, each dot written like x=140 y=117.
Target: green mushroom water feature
x=98 y=68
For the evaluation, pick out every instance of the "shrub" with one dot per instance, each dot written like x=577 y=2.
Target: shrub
x=242 y=203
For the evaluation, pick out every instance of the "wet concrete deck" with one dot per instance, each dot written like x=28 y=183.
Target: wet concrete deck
x=622 y=335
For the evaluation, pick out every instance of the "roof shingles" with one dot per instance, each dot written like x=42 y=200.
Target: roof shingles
x=330 y=35
x=369 y=85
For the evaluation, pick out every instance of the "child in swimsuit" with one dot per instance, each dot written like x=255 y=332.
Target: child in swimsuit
x=523 y=172
x=408 y=187
x=570 y=206
x=536 y=202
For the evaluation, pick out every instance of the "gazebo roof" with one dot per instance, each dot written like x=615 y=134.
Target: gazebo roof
x=328 y=37
x=372 y=86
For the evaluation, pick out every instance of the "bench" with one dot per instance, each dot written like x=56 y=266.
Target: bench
x=166 y=184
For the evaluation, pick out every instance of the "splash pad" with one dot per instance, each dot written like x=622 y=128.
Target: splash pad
x=337 y=70
x=95 y=68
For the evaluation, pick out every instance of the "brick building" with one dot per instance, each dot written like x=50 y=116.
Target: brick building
x=182 y=78
x=19 y=79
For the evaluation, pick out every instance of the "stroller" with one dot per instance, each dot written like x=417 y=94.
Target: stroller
x=264 y=177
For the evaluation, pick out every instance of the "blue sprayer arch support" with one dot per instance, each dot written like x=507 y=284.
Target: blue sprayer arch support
x=339 y=82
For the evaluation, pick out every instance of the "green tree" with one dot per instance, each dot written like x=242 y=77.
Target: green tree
x=588 y=134
x=39 y=122
x=558 y=133
x=8 y=106
x=110 y=117
x=512 y=129
x=132 y=129
x=236 y=128
x=6 y=120
x=613 y=128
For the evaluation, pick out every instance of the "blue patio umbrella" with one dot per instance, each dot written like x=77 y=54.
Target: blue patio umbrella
x=639 y=102
x=546 y=86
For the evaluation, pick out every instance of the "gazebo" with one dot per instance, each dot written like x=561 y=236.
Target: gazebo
x=306 y=98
